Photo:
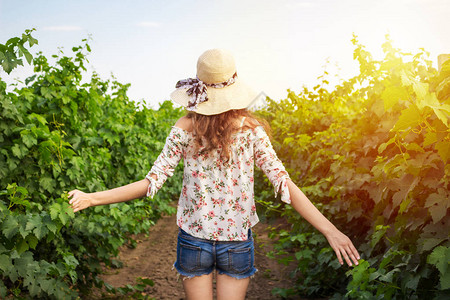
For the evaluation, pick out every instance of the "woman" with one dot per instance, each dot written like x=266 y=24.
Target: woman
x=219 y=141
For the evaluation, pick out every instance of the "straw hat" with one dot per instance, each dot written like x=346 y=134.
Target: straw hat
x=217 y=87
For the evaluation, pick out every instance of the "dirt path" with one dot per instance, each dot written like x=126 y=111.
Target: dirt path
x=154 y=256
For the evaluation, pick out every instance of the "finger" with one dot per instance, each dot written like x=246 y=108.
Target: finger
x=72 y=192
x=351 y=250
x=75 y=196
x=355 y=252
x=347 y=259
x=75 y=202
x=76 y=207
x=352 y=256
x=338 y=254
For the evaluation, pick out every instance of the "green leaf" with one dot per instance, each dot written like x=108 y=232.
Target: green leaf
x=146 y=281
x=55 y=208
x=412 y=281
x=443 y=149
x=62 y=211
x=391 y=95
x=25 y=264
x=47 y=183
x=414 y=147
x=32 y=286
x=47 y=285
x=445 y=281
x=10 y=226
x=430 y=138
x=359 y=271
x=12 y=41
x=51 y=225
x=33 y=222
x=409 y=118
x=39 y=229
x=22 y=246
x=380 y=231
x=70 y=260
x=404 y=205
x=383 y=146
x=421 y=89
x=5 y=263
x=68 y=209
x=301 y=238
x=441 y=116
x=440 y=257
x=10 y=61
x=389 y=276
x=32 y=241
x=32 y=41
x=26 y=53
x=39 y=118
x=16 y=150
x=3 y=290
x=28 y=139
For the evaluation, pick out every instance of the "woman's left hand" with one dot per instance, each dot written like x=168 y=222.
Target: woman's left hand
x=343 y=247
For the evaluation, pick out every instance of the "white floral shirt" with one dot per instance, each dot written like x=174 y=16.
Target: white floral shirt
x=217 y=202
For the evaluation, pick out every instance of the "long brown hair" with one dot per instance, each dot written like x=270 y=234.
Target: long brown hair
x=215 y=131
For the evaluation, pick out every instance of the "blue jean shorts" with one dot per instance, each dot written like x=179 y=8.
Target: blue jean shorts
x=196 y=256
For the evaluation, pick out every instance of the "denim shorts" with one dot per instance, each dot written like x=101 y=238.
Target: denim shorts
x=196 y=256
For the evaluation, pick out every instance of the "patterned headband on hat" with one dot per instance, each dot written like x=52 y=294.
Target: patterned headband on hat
x=197 y=89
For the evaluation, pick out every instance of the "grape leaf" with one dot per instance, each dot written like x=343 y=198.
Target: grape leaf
x=391 y=95
x=10 y=226
x=32 y=241
x=55 y=209
x=47 y=183
x=3 y=289
x=409 y=118
x=440 y=257
x=5 y=263
x=443 y=149
x=22 y=246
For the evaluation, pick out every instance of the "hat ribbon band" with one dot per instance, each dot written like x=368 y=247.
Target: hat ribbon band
x=197 y=89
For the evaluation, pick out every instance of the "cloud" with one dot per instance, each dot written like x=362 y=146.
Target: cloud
x=149 y=24
x=62 y=28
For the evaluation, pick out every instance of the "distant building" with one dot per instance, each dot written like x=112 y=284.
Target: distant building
x=259 y=102
x=441 y=59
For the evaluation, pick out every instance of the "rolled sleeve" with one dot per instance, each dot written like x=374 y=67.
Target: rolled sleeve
x=266 y=159
x=167 y=160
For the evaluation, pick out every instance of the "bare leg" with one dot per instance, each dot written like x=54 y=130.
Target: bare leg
x=199 y=287
x=230 y=288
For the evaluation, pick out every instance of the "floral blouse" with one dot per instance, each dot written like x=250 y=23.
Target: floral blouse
x=217 y=201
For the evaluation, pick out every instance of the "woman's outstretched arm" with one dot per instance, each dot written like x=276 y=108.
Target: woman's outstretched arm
x=165 y=165
x=341 y=244
x=80 y=200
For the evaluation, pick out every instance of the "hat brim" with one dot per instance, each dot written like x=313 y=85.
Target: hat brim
x=235 y=96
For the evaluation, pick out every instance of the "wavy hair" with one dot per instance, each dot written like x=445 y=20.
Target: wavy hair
x=215 y=131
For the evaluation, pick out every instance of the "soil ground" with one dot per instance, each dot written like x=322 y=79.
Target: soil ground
x=156 y=252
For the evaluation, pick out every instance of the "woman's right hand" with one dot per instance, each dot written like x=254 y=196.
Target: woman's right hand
x=80 y=200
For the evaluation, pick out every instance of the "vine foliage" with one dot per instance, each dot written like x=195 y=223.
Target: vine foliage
x=59 y=132
x=373 y=154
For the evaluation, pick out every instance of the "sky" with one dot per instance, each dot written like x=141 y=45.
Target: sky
x=277 y=45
